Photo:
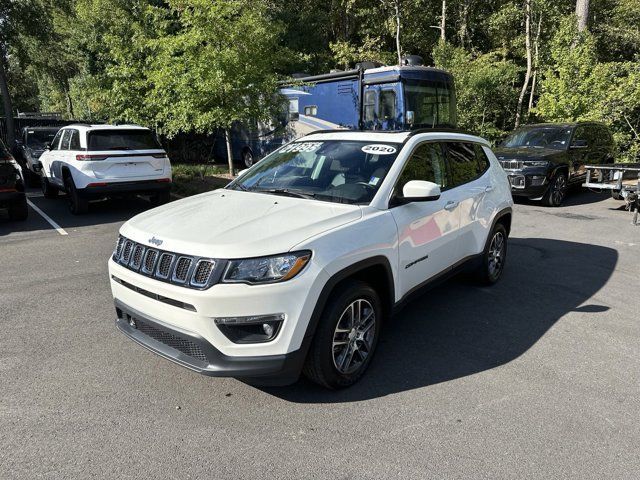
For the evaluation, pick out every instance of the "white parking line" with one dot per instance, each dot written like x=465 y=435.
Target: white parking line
x=58 y=228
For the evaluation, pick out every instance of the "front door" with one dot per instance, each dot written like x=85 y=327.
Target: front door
x=427 y=231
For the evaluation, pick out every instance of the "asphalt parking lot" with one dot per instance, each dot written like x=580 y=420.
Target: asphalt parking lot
x=537 y=377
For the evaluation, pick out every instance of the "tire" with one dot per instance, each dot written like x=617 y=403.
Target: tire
x=18 y=210
x=30 y=178
x=160 y=198
x=48 y=190
x=247 y=158
x=493 y=257
x=77 y=204
x=557 y=190
x=341 y=365
x=616 y=195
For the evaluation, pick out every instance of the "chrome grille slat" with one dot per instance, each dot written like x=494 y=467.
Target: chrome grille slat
x=182 y=270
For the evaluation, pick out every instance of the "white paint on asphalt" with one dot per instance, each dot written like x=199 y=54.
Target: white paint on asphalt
x=57 y=227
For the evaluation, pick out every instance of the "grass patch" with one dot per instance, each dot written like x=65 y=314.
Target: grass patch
x=189 y=179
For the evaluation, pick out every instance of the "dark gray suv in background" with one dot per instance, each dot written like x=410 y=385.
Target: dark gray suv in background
x=543 y=160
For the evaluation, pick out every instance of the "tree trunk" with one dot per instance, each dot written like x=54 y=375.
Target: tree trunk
x=582 y=12
x=536 y=48
x=527 y=77
x=463 y=32
x=8 y=106
x=227 y=136
x=397 y=6
x=443 y=21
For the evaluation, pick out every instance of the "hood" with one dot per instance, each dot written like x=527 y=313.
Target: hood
x=526 y=153
x=235 y=224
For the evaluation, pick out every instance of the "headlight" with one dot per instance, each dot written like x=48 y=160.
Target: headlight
x=536 y=163
x=266 y=269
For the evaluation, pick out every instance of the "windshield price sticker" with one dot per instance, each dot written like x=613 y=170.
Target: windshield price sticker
x=379 y=149
x=301 y=147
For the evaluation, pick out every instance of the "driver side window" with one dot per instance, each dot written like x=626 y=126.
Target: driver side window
x=426 y=163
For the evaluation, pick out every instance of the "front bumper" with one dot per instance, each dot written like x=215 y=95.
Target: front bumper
x=194 y=352
x=145 y=187
x=529 y=185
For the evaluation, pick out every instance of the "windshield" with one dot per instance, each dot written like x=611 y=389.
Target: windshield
x=432 y=103
x=338 y=171
x=39 y=138
x=122 y=140
x=540 y=137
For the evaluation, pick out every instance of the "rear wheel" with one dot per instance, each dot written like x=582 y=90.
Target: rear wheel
x=346 y=337
x=494 y=256
x=557 y=190
x=247 y=158
x=18 y=209
x=616 y=195
x=48 y=190
x=77 y=204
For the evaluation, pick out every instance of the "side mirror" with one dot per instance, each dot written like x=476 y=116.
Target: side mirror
x=411 y=117
x=47 y=146
x=242 y=172
x=579 y=144
x=420 y=191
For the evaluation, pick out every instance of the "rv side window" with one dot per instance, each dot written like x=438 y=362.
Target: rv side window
x=387 y=110
x=311 y=110
x=369 y=105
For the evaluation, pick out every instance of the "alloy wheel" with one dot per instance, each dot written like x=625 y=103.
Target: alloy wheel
x=558 y=189
x=496 y=255
x=354 y=336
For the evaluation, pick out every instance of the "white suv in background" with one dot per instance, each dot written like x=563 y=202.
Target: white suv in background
x=295 y=265
x=97 y=161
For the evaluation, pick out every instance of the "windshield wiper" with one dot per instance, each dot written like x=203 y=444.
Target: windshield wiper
x=285 y=192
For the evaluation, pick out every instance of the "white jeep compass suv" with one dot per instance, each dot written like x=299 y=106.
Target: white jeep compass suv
x=97 y=161
x=295 y=265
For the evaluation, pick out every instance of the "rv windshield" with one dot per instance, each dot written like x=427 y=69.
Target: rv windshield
x=433 y=103
x=340 y=171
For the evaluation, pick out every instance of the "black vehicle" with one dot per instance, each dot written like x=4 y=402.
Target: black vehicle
x=31 y=146
x=12 y=196
x=543 y=160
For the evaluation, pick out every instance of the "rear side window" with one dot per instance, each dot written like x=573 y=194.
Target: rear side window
x=387 y=110
x=55 y=143
x=66 y=140
x=467 y=161
x=369 y=105
x=427 y=162
x=75 y=140
x=122 y=140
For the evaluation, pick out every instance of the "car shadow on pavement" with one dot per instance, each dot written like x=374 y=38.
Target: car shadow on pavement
x=459 y=329
x=576 y=196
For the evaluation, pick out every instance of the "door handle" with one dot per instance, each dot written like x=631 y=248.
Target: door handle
x=450 y=205
x=488 y=188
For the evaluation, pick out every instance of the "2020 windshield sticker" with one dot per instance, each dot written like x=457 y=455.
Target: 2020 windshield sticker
x=379 y=149
x=297 y=147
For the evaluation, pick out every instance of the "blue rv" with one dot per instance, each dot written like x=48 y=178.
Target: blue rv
x=368 y=97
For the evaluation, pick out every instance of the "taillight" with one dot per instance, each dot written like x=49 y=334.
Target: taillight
x=163 y=180
x=91 y=158
x=97 y=184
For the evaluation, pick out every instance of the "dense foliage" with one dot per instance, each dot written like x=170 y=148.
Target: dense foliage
x=198 y=65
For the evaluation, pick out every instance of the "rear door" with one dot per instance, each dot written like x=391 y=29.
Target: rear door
x=59 y=157
x=427 y=231
x=121 y=154
x=471 y=188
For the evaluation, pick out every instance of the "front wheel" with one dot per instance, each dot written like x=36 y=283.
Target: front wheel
x=493 y=257
x=247 y=158
x=346 y=337
x=557 y=190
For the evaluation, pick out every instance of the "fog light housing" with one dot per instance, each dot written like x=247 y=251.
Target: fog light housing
x=537 y=180
x=250 y=329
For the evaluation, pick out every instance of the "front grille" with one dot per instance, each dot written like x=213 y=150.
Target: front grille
x=165 y=264
x=149 y=261
x=183 y=270
x=136 y=258
x=203 y=272
x=185 y=346
x=512 y=164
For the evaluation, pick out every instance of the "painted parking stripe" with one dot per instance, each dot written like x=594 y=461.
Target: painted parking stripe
x=57 y=227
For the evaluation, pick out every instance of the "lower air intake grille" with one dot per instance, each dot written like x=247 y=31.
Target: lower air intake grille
x=187 y=347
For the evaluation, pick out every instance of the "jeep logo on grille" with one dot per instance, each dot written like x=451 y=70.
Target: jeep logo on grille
x=155 y=241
